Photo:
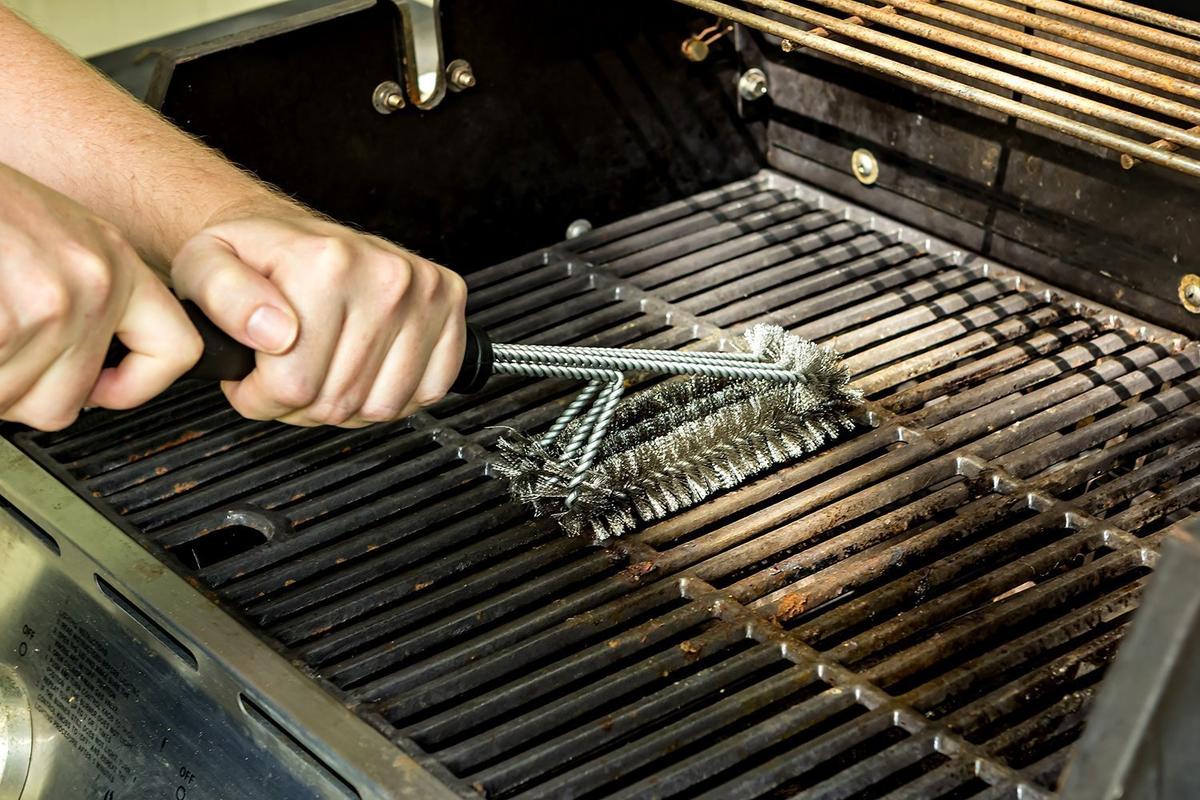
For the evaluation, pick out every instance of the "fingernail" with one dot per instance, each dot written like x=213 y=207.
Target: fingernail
x=271 y=330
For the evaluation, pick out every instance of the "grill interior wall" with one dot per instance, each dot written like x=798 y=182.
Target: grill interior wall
x=925 y=609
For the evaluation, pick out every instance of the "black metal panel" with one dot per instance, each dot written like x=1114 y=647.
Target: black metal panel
x=1064 y=210
x=581 y=110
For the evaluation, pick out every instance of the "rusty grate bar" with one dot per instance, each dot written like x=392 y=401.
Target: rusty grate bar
x=936 y=37
x=926 y=608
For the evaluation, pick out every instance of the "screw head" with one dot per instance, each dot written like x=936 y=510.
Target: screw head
x=578 y=228
x=864 y=166
x=1189 y=292
x=753 y=85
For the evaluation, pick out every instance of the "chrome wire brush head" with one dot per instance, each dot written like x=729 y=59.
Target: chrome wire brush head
x=606 y=466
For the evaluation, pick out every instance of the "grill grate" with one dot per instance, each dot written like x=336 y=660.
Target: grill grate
x=1128 y=73
x=926 y=609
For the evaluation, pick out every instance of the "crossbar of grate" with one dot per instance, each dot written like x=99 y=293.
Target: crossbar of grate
x=925 y=43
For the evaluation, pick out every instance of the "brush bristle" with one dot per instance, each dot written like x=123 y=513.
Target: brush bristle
x=678 y=443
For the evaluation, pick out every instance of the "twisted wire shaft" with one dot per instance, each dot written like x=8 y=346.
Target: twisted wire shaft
x=607 y=403
x=518 y=351
x=669 y=366
x=581 y=401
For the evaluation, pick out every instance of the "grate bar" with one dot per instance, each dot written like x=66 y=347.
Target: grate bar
x=1090 y=109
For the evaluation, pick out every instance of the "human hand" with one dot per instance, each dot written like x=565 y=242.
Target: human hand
x=350 y=329
x=69 y=281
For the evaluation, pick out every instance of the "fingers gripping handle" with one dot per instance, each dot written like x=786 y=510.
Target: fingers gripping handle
x=226 y=359
x=223 y=359
x=477 y=362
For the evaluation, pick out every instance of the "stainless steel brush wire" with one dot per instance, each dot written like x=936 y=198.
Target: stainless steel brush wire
x=605 y=464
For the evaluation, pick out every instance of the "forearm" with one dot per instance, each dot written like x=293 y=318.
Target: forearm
x=66 y=126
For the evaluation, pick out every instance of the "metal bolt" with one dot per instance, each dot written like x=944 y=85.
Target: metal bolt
x=1192 y=293
x=1189 y=292
x=753 y=85
x=578 y=228
x=864 y=166
x=387 y=97
x=459 y=75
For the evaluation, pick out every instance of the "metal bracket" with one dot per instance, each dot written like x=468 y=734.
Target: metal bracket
x=424 y=57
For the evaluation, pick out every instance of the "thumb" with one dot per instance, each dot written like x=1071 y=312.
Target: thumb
x=240 y=300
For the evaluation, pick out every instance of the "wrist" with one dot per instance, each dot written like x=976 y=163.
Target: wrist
x=259 y=202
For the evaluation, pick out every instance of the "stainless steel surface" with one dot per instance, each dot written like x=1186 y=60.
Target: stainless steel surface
x=1083 y=115
x=425 y=59
x=926 y=608
x=139 y=684
x=16 y=734
x=1141 y=743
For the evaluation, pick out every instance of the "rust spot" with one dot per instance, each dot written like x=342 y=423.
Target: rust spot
x=289 y=582
x=422 y=585
x=182 y=438
x=180 y=488
x=339 y=561
x=479 y=787
x=297 y=496
x=789 y=606
x=149 y=570
x=161 y=470
x=639 y=570
x=322 y=631
x=613 y=644
x=371 y=547
x=606 y=724
x=690 y=648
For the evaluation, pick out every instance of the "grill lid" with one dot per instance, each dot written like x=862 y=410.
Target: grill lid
x=926 y=609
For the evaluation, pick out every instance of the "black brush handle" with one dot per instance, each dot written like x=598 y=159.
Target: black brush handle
x=226 y=359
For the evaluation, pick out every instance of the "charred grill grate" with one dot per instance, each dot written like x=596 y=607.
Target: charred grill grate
x=926 y=609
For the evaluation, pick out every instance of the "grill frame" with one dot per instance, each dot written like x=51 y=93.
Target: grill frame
x=635 y=564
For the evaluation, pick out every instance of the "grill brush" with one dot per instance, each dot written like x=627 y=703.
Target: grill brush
x=604 y=464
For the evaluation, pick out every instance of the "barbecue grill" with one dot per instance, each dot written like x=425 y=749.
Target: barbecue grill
x=928 y=608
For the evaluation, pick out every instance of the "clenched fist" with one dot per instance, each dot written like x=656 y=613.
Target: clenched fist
x=69 y=281
x=350 y=329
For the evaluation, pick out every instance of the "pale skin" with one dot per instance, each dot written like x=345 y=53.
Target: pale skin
x=98 y=194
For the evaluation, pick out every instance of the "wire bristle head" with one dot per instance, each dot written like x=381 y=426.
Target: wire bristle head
x=678 y=443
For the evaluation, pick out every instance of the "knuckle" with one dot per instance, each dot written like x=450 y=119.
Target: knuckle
x=394 y=281
x=190 y=348
x=332 y=411
x=380 y=411
x=425 y=399
x=8 y=330
x=92 y=272
x=50 y=302
x=55 y=420
x=294 y=391
x=332 y=255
